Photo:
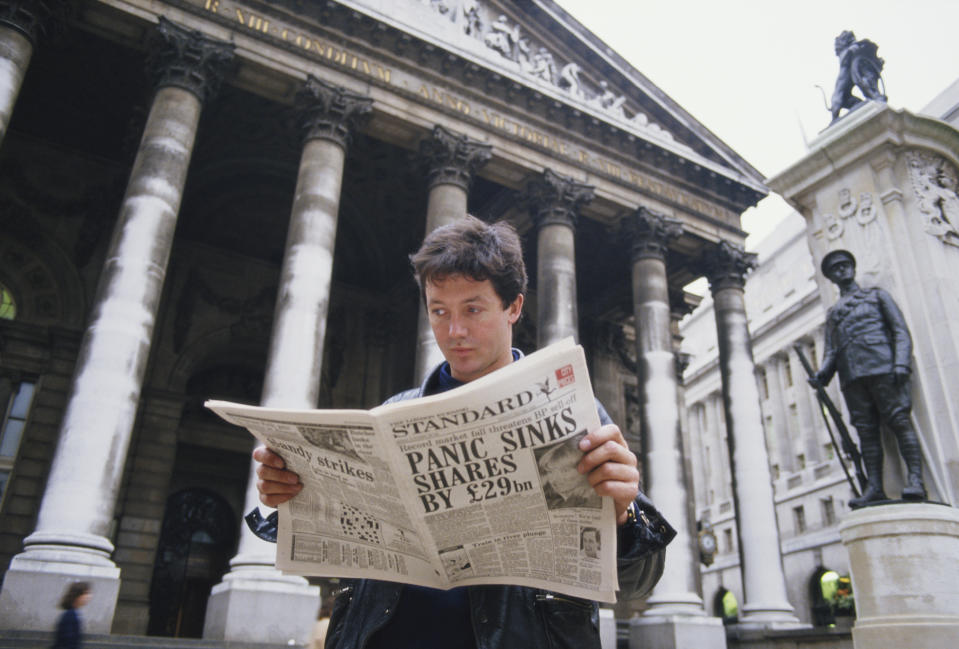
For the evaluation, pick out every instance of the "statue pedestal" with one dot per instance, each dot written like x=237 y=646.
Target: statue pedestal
x=905 y=575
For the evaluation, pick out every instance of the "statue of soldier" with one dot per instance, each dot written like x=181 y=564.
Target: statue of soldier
x=868 y=343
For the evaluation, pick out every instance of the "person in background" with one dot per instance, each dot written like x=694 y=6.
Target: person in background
x=69 y=627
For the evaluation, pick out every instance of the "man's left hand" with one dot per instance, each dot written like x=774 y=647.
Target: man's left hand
x=610 y=467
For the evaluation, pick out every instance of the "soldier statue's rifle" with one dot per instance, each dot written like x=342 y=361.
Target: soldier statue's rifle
x=848 y=445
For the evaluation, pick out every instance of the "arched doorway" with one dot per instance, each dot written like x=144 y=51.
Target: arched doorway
x=196 y=542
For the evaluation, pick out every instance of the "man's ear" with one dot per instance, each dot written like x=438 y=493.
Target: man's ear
x=515 y=309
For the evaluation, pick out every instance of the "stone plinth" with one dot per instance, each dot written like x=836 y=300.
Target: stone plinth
x=676 y=632
x=905 y=575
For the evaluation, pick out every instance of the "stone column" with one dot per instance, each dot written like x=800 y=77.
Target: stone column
x=807 y=409
x=255 y=602
x=451 y=160
x=764 y=584
x=553 y=202
x=675 y=616
x=75 y=523
x=22 y=22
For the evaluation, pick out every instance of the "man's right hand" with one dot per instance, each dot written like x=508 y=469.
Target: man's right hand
x=275 y=484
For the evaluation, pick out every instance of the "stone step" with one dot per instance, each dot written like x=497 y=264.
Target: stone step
x=43 y=640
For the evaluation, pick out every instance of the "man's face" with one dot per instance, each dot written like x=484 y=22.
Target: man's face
x=472 y=329
x=842 y=271
x=591 y=543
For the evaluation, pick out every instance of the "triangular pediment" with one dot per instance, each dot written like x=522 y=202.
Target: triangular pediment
x=538 y=44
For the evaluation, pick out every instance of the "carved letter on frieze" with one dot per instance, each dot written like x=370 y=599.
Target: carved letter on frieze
x=935 y=182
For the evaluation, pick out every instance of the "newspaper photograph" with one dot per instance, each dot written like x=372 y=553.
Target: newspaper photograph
x=476 y=485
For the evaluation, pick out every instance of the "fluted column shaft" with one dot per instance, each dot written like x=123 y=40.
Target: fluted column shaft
x=764 y=584
x=77 y=509
x=292 y=376
x=665 y=480
x=451 y=160
x=553 y=201
x=22 y=22
x=237 y=605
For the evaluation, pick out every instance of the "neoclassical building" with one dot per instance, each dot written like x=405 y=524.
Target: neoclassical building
x=217 y=199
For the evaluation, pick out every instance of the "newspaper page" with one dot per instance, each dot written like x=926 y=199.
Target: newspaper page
x=477 y=485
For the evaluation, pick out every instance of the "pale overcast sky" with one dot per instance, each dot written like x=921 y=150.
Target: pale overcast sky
x=747 y=69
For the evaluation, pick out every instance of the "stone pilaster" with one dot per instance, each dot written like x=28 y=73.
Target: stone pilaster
x=253 y=590
x=675 y=608
x=22 y=23
x=73 y=536
x=764 y=584
x=554 y=201
x=451 y=160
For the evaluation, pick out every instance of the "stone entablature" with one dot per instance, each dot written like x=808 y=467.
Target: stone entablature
x=490 y=104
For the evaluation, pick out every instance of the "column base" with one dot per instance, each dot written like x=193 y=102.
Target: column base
x=676 y=632
x=607 y=628
x=670 y=605
x=261 y=605
x=38 y=577
x=905 y=576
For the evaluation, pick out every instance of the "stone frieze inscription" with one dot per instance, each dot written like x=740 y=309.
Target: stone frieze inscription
x=335 y=55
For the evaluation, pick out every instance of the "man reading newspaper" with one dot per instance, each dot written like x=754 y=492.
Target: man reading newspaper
x=472 y=279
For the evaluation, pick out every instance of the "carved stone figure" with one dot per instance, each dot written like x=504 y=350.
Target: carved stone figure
x=610 y=101
x=569 y=80
x=503 y=38
x=859 y=67
x=543 y=65
x=868 y=344
x=472 y=25
x=936 y=183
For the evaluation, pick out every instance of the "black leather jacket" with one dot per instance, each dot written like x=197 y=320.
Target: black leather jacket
x=514 y=617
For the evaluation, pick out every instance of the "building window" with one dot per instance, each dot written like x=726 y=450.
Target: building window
x=728 y=540
x=764 y=383
x=774 y=471
x=799 y=515
x=16 y=407
x=800 y=461
x=8 y=306
x=830 y=452
x=828 y=511
x=788 y=371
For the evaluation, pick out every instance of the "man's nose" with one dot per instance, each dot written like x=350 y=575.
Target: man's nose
x=457 y=327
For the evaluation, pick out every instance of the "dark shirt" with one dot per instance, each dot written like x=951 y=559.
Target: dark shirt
x=68 y=631
x=429 y=618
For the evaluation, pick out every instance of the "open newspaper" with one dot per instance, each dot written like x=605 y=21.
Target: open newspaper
x=477 y=485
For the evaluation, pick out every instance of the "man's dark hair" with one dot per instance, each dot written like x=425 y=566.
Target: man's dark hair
x=474 y=249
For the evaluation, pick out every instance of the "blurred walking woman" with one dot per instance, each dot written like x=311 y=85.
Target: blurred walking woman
x=69 y=628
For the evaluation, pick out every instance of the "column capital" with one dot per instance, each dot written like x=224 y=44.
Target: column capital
x=187 y=59
x=31 y=17
x=329 y=112
x=650 y=232
x=726 y=265
x=555 y=199
x=452 y=158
